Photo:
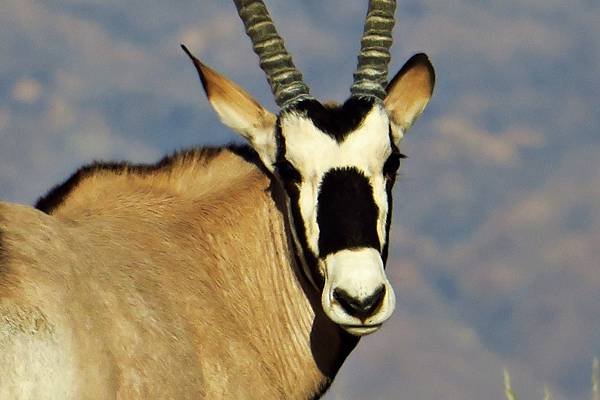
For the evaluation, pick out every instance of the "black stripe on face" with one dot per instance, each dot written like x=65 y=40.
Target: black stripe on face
x=293 y=191
x=389 y=185
x=335 y=120
x=390 y=179
x=346 y=212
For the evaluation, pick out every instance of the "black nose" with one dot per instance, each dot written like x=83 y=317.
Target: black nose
x=357 y=307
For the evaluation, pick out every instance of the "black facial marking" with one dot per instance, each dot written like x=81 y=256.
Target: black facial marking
x=346 y=212
x=336 y=121
x=393 y=162
x=279 y=141
x=293 y=191
x=389 y=186
x=391 y=165
x=287 y=171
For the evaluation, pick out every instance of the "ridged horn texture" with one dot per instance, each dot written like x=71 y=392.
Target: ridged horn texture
x=283 y=77
x=370 y=78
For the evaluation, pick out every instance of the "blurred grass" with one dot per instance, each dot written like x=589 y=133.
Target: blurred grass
x=596 y=380
x=510 y=395
x=595 y=393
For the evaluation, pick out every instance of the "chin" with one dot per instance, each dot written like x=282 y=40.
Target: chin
x=361 y=330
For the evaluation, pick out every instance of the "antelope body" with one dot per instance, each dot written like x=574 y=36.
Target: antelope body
x=235 y=272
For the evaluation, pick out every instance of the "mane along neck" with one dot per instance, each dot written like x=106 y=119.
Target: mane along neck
x=191 y=173
x=223 y=219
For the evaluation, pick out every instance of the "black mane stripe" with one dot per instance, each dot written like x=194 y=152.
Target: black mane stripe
x=60 y=193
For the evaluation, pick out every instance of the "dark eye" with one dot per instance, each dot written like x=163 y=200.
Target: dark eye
x=287 y=171
x=392 y=164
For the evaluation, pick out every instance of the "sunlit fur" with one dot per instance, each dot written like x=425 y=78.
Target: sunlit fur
x=173 y=283
x=181 y=280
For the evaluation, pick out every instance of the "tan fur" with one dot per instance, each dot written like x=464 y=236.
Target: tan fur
x=410 y=91
x=172 y=284
x=239 y=111
x=229 y=93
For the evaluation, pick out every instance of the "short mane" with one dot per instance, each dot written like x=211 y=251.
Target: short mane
x=194 y=158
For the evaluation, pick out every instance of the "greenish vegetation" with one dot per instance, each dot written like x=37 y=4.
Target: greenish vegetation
x=595 y=393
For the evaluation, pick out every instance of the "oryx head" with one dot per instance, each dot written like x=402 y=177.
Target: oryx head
x=337 y=163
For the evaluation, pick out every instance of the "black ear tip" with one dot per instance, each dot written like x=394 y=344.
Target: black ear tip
x=419 y=58
x=196 y=62
x=198 y=66
x=188 y=52
x=422 y=59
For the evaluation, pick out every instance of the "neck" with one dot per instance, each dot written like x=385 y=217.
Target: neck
x=279 y=340
x=310 y=347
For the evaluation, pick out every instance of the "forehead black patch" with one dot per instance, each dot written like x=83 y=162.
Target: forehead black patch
x=346 y=212
x=336 y=121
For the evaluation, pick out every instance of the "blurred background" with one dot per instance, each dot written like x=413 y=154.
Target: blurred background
x=496 y=235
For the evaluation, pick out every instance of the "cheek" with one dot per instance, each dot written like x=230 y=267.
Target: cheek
x=381 y=200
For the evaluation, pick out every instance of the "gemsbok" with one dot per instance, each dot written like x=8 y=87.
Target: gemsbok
x=236 y=272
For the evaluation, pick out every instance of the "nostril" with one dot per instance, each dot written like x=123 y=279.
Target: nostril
x=360 y=308
x=347 y=302
x=376 y=298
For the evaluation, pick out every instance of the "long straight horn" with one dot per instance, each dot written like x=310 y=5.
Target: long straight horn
x=283 y=77
x=370 y=78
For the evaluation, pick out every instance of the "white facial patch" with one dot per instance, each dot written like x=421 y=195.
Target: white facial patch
x=314 y=153
x=359 y=273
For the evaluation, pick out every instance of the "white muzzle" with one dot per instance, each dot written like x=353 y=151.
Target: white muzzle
x=357 y=294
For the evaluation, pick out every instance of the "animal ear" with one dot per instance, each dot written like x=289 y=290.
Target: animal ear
x=408 y=93
x=239 y=111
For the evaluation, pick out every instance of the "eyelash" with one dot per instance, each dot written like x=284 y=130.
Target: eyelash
x=390 y=168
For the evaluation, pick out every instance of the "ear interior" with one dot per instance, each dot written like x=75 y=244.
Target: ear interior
x=238 y=110
x=409 y=92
